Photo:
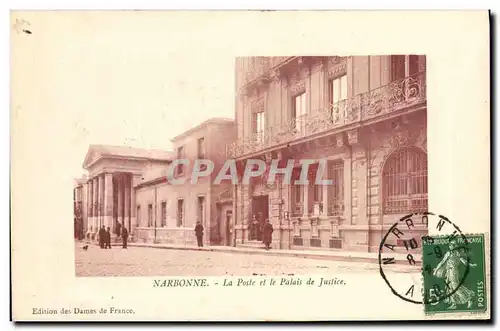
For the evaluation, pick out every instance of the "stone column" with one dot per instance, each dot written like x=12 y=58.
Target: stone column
x=360 y=174
x=305 y=202
x=108 y=201
x=235 y=215
x=133 y=209
x=120 y=192
x=90 y=213
x=325 y=192
x=100 y=206
x=126 y=203
x=94 y=202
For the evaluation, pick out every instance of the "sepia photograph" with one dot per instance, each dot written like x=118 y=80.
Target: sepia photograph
x=363 y=116
x=250 y=166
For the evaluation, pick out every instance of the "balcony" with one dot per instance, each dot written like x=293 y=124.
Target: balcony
x=399 y=95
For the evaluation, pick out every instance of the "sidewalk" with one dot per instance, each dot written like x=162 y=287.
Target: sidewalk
x=370 y=257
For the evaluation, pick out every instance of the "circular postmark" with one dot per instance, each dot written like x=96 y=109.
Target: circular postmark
x=435 y=257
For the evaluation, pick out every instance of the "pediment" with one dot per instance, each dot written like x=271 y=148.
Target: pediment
x=92 y=156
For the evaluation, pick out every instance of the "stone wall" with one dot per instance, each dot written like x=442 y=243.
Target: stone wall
x=362 y=224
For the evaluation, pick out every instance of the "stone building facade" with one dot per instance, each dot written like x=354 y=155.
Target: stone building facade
x=113 y=172
x=129 y=187
x=175 y=208
x=366 y=115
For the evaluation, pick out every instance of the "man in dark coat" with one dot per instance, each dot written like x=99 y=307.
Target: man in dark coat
x=102 y=236
x=124 y=236
x=198 y=230
x=108 y=238
x=267 y=234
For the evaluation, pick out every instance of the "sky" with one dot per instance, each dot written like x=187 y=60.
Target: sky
x=136 y=80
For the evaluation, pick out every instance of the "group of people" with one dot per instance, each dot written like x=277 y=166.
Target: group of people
x=105 y=236
x=259 y=231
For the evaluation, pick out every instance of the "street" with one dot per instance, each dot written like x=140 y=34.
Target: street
x=143 y=261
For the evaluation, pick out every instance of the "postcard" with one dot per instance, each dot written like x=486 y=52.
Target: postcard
x=250 y=165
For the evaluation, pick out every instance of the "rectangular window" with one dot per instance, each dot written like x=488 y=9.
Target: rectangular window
x=403 y=66
x=315 y=191
x=180 y=156
x=299 y=111
x=201 y=148
x=139 y=215
x=163 y=214
x=180 y=212
x=338 y=89
x=201 y=210
x=150 y=216
x=259 y=125
x=336 y=189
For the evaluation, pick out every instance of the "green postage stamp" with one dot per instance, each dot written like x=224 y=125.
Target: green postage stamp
x=454 y=274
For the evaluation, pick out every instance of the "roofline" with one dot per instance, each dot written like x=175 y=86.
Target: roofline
x=119 y=156
x=125 y=157
x=213 y=120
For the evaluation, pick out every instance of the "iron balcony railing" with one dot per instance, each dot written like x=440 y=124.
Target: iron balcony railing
x=397 y=95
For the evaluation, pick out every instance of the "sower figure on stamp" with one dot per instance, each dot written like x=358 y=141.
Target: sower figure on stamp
x=124 y=232
x=198 y=230
x=267 y=234
x=102 y=236
x=448 y=269
x=108 y=238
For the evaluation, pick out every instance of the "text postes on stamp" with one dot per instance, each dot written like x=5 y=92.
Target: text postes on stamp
x=405 y=240
x=454 y=270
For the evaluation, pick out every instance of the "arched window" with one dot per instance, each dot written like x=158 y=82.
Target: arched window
x=404 y=181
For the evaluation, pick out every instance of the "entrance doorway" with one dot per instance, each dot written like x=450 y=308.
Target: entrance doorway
x=260 y=212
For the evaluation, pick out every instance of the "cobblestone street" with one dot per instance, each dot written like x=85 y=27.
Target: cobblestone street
x=143 y=261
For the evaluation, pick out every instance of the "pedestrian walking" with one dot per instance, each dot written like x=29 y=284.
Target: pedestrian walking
x=267 y=234
x=124 y=236
x=108 y=238
x=198 y=230
x=102 y=236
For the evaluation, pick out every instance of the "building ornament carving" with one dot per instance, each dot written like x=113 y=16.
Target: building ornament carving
x=340 y=140
x=275 y=75
x=337 y=69
x=353 y=137
x=334 y=227
x=403 y=135
x=314 y=228
x=296 y=227
x=258 y=105
x=297 y=86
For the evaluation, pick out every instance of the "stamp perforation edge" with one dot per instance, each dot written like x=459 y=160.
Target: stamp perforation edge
x=464 y=314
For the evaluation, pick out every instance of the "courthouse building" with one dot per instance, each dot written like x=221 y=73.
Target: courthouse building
x=365 y=114
x=128 y=187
